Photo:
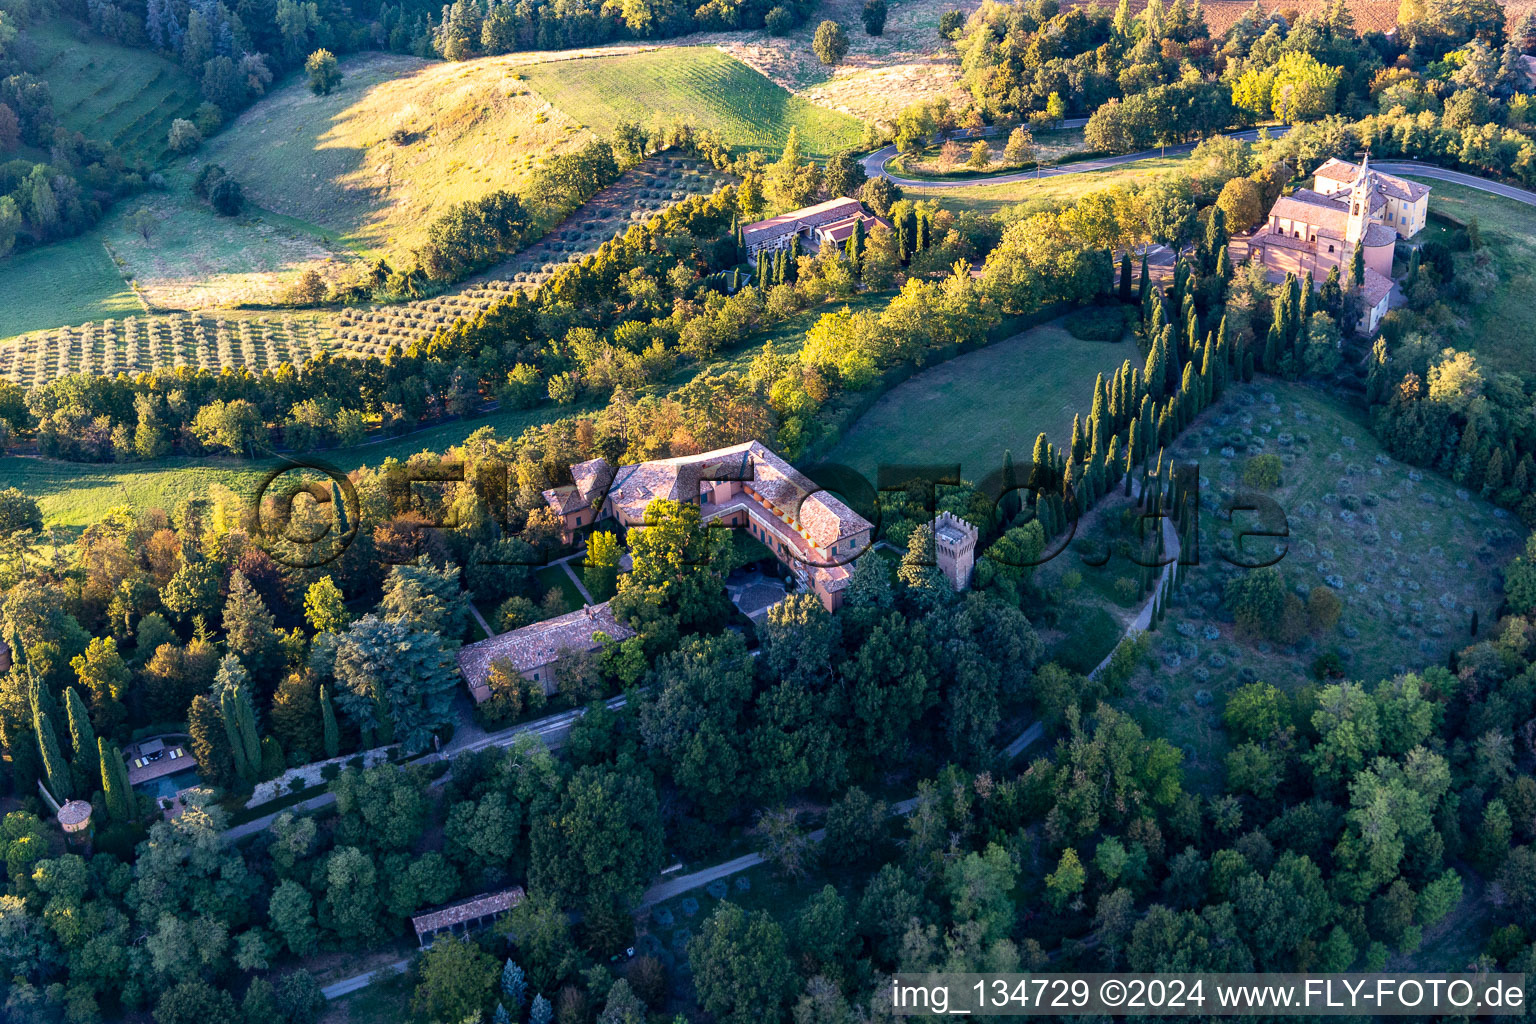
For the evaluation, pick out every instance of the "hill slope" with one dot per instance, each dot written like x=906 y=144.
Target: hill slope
x=470 y=129
x=693 y=83
x=117 y=94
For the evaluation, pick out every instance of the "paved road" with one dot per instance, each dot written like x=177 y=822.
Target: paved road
x=552 y=730
x=1496 y=188
x=874 y=165
x=349 y=985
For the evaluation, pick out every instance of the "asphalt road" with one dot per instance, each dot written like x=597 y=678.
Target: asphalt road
x=874 y=165
x=1419 y=170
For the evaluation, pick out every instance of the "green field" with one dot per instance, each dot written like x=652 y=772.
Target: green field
x=1409 y=555
x=125 y=96
x=1501 y=325
x=1049 y=190
x=61 y=285
x=696 y=84
x=969 y=409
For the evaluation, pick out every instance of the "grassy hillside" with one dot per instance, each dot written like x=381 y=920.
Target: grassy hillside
x=693 y=83
x=1060 y=188
x=330 y=161
x=127 y=97
x=1501 y=322
x=63 y=284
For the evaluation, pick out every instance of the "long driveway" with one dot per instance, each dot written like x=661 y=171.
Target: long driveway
x=874 y=165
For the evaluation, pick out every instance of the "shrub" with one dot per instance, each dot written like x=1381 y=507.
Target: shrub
x=184 y=136
x=1262 y=472
x=950 y=22
x=324 y=76
x=779 y=22
x=831 y=42
x=873 y=17
x=1097 y=323
x=226 y=197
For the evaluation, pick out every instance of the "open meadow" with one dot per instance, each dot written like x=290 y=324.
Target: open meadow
x=1048 y=190
x=393 y=147
x=1501 y=321
x=973 y=407
x=1410 y=556
x=116 y=94
x=67 y=283
x=690 y=83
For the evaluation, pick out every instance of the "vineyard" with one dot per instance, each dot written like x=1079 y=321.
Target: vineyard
x=140 y=344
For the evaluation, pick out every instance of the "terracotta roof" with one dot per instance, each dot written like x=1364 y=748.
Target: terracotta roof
x=565 y=499
x=1377 y=235
x=1335 y=169
x=1328 y=217
x=592 y=477
x=838 y=231
x=798 y=220
x=467 y=910
x=1375 y=288
x=538 y=644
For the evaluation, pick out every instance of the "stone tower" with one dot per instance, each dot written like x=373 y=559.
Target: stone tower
x=954 y=548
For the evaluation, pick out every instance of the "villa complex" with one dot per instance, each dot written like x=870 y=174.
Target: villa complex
x=1316 y=230
x=534 y=650
x=825 y=223
x=745 y=486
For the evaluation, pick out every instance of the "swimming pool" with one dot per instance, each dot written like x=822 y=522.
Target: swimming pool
x=168 y=785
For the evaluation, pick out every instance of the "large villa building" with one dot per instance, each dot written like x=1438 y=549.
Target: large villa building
x=1315 y=230
x=745 y=486
x=825 y=223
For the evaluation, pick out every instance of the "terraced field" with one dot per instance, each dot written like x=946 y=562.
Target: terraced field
x=127 y=97
x=691 y=83
x=129 y=343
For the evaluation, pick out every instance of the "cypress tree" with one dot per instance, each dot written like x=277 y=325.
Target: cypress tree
x=1079 y=445
x=1215 y=237
x=82 y=739
x=762 y=270
x=115 y=791
x=1272 y=344
x=229 y=714
x=1306 y=298
x=1125 y=276
x=1008 y=506
x=1170 y=361
x=1131 y=454
x=1112 y=462
x=1098 y=419
x=1191 y=329
x=1357 y=265
x=328 y=721
x=923 y=229
x=340 y=510
x=1155 y=373
x=55 y=767
x=1224 y=266
x=1144 y=287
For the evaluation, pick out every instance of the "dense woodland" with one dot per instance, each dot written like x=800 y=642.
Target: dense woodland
x=1354 y=817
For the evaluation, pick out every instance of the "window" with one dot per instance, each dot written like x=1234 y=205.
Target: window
x=578 y=520
x=1330 y=247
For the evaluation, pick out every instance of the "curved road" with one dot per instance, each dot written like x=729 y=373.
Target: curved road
x=1422 y=170
x=874 y=165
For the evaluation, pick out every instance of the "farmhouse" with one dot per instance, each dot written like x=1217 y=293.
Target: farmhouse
x=745 y=486
x=1315 y=230
x=829 y=222
x=535 y=650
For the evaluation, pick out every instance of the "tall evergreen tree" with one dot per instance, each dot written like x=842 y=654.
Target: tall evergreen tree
x=86 y=761
x=328 y=722
x=1357 y=265
x=1126 y=284
x=239 y=715
x=115 y=790
x=55 y=768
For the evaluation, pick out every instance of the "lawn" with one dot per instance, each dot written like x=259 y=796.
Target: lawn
x=195 y=259
x=393 y=147
x=1051 y=147
x=125 y=96
x=1501 y=325
x=1045 y=191
x=62 y=284
x=971 y=408
x=1410 y=555
x=691 y=83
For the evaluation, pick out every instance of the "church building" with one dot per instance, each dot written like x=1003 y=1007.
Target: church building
x=1316 y=229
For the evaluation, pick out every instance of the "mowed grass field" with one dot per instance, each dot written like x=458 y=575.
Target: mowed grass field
x=400 y=141
x=1048 y=190
x=1503 y=322
x=125 y=96
x=971 y=408
x=61 y=285
x=691 y=83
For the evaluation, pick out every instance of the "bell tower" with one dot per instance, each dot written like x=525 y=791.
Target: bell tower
x=1360 y=195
